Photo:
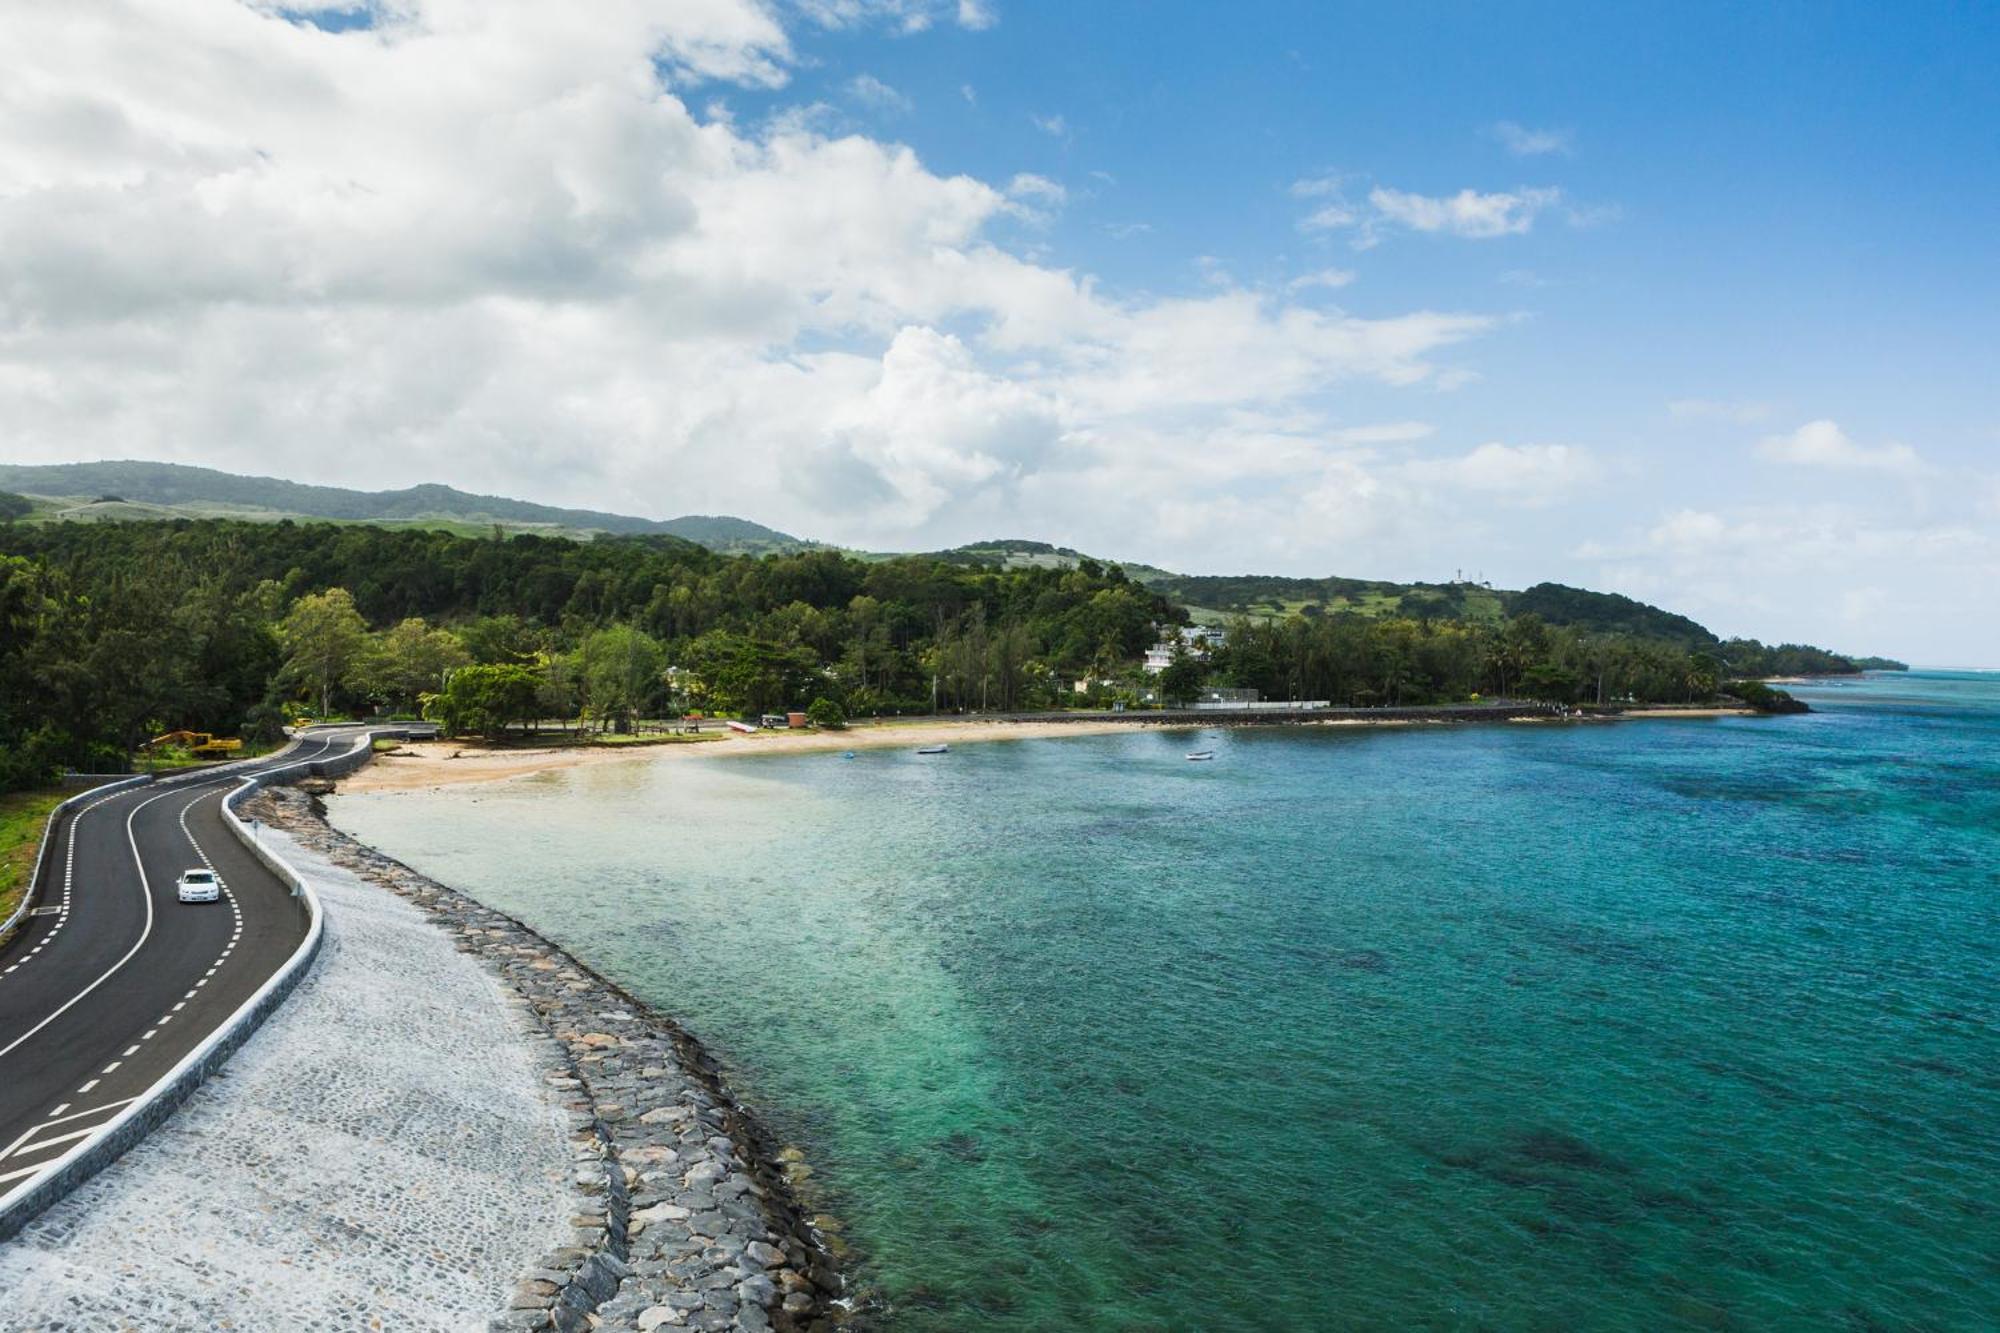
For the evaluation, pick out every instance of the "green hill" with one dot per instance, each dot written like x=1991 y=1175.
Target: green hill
x=1606 y=613
x=1221 y=597
x=131 y=490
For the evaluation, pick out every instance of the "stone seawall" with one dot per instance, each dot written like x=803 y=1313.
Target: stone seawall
x=683 y=1217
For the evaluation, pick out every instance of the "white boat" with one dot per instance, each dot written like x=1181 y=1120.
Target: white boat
x=933 y=749
x=1200 y=755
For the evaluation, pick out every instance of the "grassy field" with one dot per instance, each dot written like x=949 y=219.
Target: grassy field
x=22 y=817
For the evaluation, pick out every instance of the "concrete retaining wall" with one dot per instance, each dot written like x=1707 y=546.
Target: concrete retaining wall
x=164 y=1097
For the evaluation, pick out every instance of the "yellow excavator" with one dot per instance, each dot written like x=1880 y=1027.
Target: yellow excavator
x=200 y=744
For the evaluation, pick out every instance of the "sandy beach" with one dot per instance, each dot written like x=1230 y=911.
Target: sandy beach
x=419 y=765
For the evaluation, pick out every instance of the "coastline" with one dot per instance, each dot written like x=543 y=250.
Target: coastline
x=420 y=765
x=428 y=765
x=688 y=1215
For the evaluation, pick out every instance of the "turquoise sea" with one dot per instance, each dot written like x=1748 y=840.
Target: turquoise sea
x=1657 y=1025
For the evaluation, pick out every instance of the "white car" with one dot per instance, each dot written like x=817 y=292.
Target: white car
x=199 y=886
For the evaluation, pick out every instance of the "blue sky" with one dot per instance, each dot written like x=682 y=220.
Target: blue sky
x=1800 y=199
x=1692 y=302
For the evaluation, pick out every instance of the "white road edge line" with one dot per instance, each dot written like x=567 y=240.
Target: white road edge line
x=145 y=889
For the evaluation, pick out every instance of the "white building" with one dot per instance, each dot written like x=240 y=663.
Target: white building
x=1200 y=640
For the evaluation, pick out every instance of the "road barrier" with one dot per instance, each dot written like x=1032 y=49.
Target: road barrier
x=147 y=1111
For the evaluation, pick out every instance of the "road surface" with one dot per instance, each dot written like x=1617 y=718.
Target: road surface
x=113 y=980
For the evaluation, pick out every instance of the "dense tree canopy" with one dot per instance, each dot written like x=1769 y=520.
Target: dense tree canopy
x=113 y=632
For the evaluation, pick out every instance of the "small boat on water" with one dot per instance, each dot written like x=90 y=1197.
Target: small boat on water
x=1199 y=755
x=933 y=749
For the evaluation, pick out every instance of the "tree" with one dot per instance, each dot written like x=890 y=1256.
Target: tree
x=503 y=638
x=1007 y=659
x=485 y=699
x=561 y=692
x=14 y=506
x=411 y=659
x=622 y=670
x=827 y=715
x=325 y=637
x=733 y=673
x=1183 y=677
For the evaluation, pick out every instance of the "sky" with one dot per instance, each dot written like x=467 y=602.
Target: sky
x=1695 y=303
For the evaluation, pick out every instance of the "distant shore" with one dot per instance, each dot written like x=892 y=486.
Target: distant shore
x=421 y=765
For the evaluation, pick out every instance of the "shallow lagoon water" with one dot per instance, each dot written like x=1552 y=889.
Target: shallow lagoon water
x=1680 y=1024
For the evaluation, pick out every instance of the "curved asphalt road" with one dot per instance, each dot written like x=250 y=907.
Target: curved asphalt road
x=114 y=980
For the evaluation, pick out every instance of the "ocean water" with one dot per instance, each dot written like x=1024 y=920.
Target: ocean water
x=1687 y=1024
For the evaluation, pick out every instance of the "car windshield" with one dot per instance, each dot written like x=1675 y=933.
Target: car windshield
x=198 y=876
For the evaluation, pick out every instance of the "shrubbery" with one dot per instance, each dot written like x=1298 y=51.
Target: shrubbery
x=1756 y=694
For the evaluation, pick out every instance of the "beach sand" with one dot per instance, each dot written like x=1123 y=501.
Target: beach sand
x=419 y=765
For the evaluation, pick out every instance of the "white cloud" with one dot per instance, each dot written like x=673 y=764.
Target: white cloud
x=1327 y=278
x=872 y=92
x=900 y=16
x=1329 y=217
x=1027 y=185
x=1533 y=474
x=1822 y=444
x=1811 y=572
x=1468 y=213
x=486 y=243
x=1387 y=432
x=1053 y=126
x=1691 y=530
x=1474 y=214
x=1523 y=142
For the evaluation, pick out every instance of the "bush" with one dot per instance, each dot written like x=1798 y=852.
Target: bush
x=826 y=714
x=1756 y=694
x=484 y=700
x=264 y=724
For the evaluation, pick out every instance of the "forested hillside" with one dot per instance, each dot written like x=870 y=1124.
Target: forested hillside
x=110 y=633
